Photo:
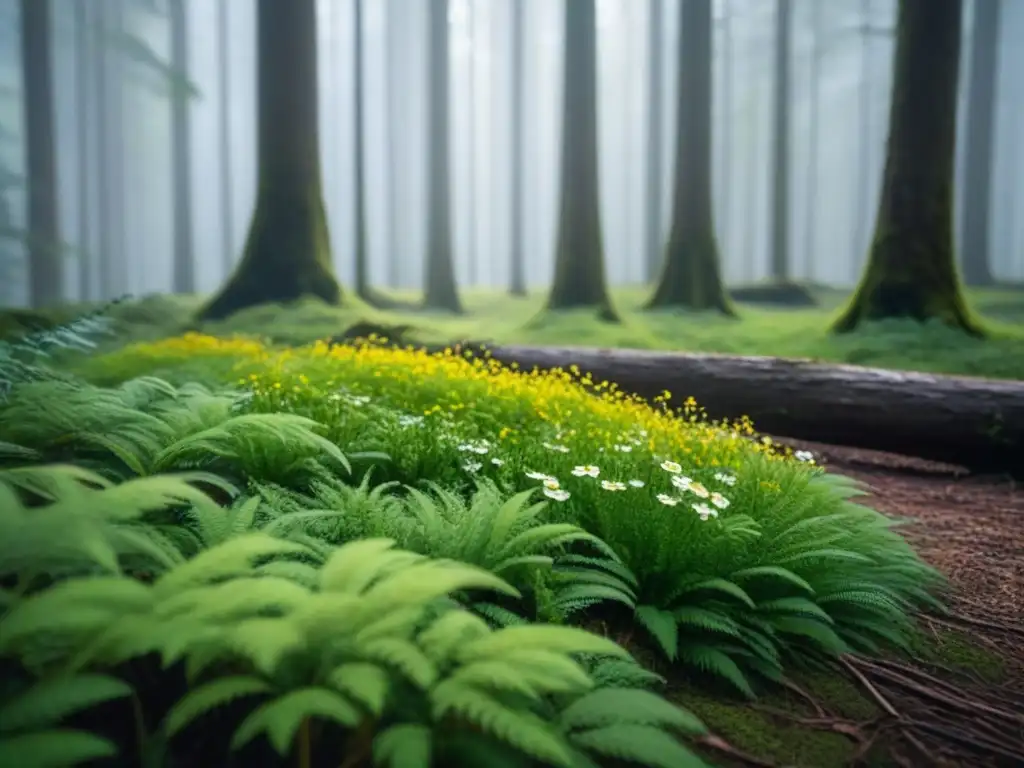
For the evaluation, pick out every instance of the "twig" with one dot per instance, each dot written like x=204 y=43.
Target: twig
x=790 y=685
x=878 y=697
x=721 y=745
x=969 y=740
x=952 y=620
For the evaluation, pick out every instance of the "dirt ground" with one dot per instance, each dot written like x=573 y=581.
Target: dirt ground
x=972 y=529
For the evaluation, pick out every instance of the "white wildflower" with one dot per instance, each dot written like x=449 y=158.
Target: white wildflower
x=705 y=511
x=586 y=470
x=719 y=500
x=671 y=466
x=613 y=485
x=668 y=501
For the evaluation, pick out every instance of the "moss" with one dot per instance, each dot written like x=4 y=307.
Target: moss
x=959 y=651
x=770 y=737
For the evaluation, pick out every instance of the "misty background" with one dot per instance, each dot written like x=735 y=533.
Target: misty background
x=117 y=195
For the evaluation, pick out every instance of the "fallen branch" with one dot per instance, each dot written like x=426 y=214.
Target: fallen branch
x=971 y=422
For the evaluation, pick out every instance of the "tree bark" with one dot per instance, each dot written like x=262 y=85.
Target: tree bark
x=653 y=244
x=287 y=254
x=811 y=209
x=691 y=274
x=977 y=423
x=44 y=255
x=184 y=272
x=910 y=271
x=579 y=255
x=391 y=19
x=865 y=157
x=981 y=102
x=85 y=51
x=517 y=258
x=779 y=221
x=227 y=198
x=440 y=291
x=361 y=256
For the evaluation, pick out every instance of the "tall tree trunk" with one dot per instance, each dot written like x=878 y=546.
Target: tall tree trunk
x=780 y=143
x=227 y=197
x=471 y=276
x=910 y=271
x=440 y=290
x=865 y=157
x=361 y=255
x=393 y=142
x=981 y=94
x=517 y=259
x=85 y=51
x=121 y=275
x=44 y=254
x=101 y=74
x=811 y=208
x=653 y=243
x=579 y=254
x=691 y=275
x=727 y=133
x=287 y=253
x=184 y=273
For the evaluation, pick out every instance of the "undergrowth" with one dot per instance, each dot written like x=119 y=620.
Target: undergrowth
x=365 y=556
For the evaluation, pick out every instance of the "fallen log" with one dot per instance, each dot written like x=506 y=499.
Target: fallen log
x=971 y=422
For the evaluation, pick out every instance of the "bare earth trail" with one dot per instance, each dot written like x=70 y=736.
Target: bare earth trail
x=972 y=529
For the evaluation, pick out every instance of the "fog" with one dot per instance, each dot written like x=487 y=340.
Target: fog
x=125 y=171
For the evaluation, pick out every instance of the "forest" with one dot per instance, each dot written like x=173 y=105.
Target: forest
x=514 y=383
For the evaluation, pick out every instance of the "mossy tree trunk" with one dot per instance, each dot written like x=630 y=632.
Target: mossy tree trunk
x=981 y=103
x=691 y=274
x=361 y=255
x=517 y=258
x=911 y=272
x=579 y=253
x=287 y=252
x=780 y=144
x=653 y=242
x=440 y=291
x=44 y=255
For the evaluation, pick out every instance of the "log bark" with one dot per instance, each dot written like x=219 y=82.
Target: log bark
x=971 y=422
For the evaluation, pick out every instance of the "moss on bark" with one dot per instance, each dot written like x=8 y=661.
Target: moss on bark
x=691 y=276
x=911 y=271
x=287 y=253
x=579 y=256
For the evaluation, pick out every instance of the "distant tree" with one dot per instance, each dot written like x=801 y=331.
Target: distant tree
x=471 y=265
x=779 y=218
x=184 y=260
x=227 y=198
x=691 y=275
x=653 y=242
x=727 y=111
x=813 y=123
x=44 y=253
x=517 y=258
x=911 y=271
x=287 y=253
x=85 y=51
x=440 y=291
x=361 y=257
x=579 y=253
x=393 y=135
x=981 y=97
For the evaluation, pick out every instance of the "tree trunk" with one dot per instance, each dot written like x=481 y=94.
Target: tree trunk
x=910 y=271
x=101 y=75
x=184 y=274
x=440 y=291
x=653 y=243
x=227 y=198
x=517 y=258
x=85 y=51
x=811 y=209
x=727 y=134
x=361 y=255
x=579 y=255
x=779 y=221
x=471 y=265
x=981 y=94
x=977 y=423
x=691 y=274
x=391 y=21
x=865 y=158
x=121 y=273
x=45 y=272
x=287 y=254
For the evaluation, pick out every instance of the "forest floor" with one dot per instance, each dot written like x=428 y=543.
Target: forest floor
x=497 y=317
x=961 y=701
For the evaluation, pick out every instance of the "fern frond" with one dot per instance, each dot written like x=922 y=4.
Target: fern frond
x=204 y=699
x=406 y=745
x=639 y=745
x=281 y=718
x=49 y=701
